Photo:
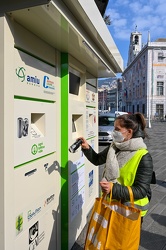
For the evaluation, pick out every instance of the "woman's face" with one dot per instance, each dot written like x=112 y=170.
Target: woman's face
x=126 y=133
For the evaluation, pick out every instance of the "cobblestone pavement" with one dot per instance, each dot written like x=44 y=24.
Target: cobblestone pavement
x=153 y=235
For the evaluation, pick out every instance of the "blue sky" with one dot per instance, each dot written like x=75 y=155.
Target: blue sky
x=127 y=14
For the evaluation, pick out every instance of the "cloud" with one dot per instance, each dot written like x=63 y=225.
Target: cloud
x=114 y=14
x=135 y=7
x=120 y=23
x=122 y=34
x=120 y=3
x=160 y=9
x=146 y=9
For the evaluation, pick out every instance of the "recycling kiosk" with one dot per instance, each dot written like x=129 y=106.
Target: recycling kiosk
x=49 y=69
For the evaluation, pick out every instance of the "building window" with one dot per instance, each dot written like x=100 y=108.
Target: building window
x=143 y=109
x=136 y=39
x=160 y=110
x=133 y=92
x=143 y=94
x=160 y=57
x=160 y=76
x=160 y=88
x=137 y=107
x=133 y=109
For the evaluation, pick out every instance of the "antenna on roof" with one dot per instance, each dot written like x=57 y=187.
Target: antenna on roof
x=135 y=28
x=148 y=36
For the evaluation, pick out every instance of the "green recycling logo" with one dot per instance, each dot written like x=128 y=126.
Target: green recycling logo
x=37 y=148
x=20 y=72
x=34 y=149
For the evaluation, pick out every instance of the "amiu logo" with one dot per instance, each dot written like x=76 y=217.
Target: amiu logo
x=47 y=84
x=20 y=72
x=33 y=80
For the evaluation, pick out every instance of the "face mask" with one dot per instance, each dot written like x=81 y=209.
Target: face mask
x=117 y=136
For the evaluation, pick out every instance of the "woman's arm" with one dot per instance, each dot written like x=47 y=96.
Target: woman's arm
x=91 y=155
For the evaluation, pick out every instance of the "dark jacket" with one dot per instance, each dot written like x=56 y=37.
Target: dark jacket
x=141 y=185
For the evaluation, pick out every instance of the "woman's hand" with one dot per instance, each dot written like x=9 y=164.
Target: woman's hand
x=105 y=187
x=84 y=144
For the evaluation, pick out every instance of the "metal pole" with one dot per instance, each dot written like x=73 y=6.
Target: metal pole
x=117 y=100
x=103 y=100
x=149 y=109
x=152 y=84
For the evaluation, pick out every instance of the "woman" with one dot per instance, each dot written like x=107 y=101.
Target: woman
x=128 y=162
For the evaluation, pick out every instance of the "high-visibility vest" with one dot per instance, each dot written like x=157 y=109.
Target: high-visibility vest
x=127 y=176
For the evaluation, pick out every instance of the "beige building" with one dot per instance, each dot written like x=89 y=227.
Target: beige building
x=144 y=78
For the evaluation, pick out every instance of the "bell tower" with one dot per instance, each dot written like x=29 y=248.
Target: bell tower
x=135 y=45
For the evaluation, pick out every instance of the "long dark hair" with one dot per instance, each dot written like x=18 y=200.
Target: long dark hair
x=136 y=122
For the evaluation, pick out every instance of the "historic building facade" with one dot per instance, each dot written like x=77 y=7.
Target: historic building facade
x=144 y=79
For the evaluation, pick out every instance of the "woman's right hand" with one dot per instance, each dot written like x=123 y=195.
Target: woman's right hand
x=105 y=187
x=84 y=144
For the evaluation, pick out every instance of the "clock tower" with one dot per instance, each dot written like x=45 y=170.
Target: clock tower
x=135 y=45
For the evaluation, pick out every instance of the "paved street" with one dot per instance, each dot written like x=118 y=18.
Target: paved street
x=153 y=236
x=154 y=227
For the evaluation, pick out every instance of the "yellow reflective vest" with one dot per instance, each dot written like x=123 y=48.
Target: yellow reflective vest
x=127 y=176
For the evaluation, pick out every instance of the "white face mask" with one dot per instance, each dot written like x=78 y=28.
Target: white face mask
x=117 y=136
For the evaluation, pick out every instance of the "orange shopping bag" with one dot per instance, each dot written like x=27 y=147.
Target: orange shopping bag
x=123 y=226
x=98 y=226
